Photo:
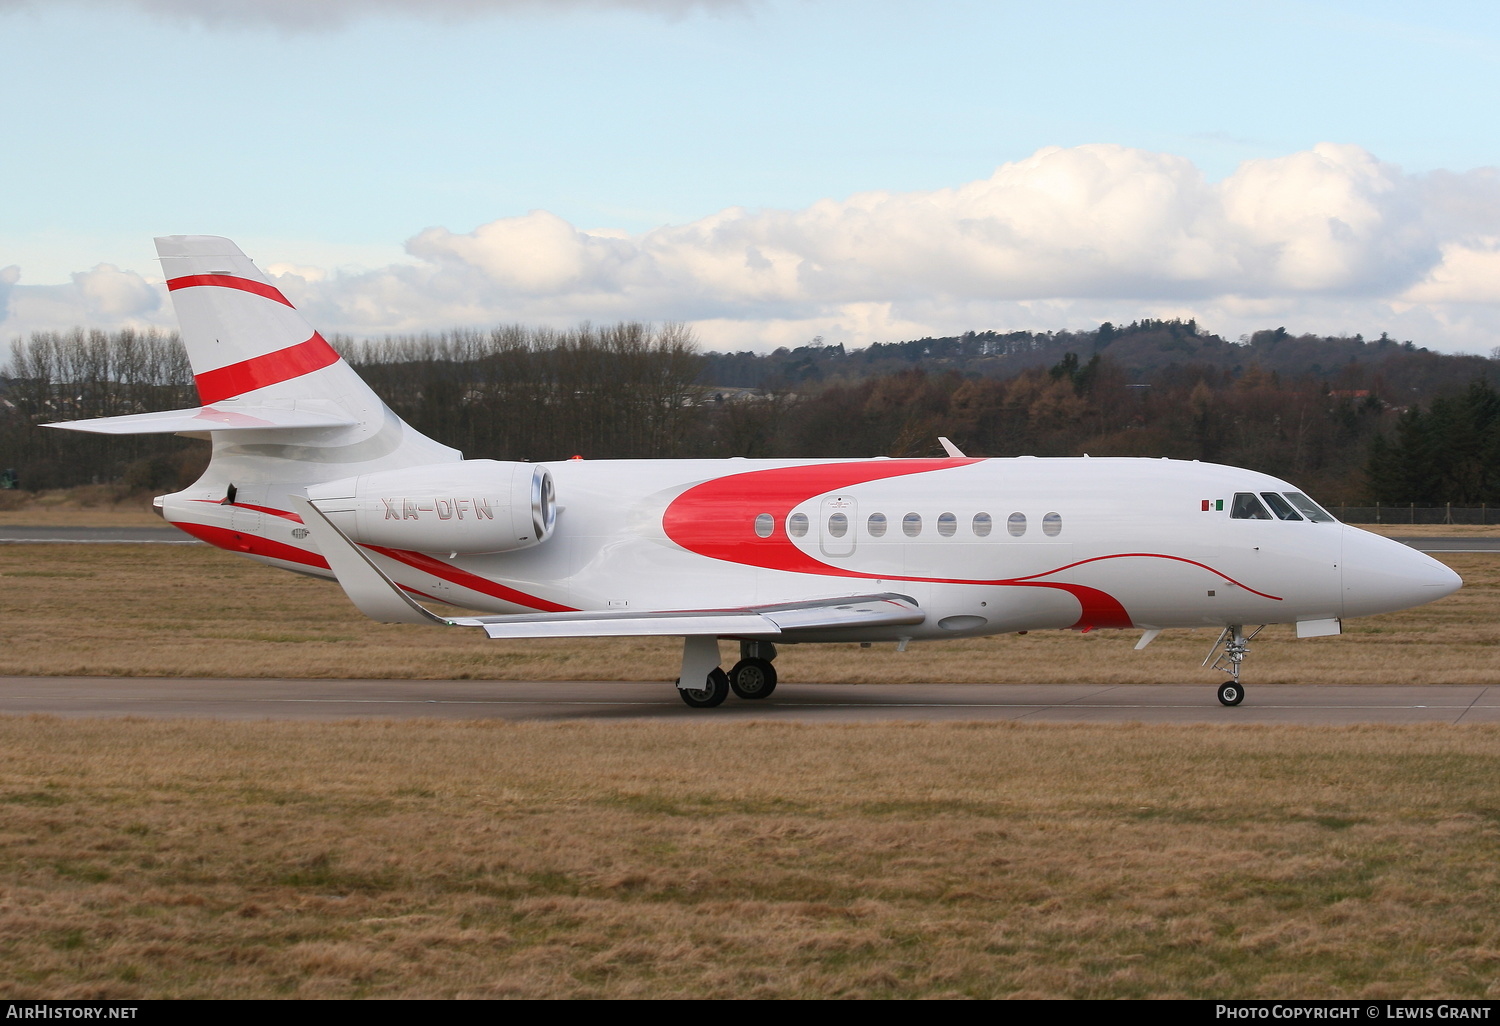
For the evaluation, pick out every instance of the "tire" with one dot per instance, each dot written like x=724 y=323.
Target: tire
x=715 y=689
x=1231 y=693
x=753 y=679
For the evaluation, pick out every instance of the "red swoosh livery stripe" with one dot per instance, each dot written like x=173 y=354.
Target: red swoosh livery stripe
x=287 y=514
x=237 y=541
x=240 y=541
x=260 y=371
x=715 y=519
x=464 y=579
x=228 y=281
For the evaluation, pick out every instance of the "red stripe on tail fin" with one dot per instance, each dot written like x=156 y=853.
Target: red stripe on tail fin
x=260 y=371
x=228 y=281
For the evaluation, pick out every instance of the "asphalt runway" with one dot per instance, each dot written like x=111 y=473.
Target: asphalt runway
x=42 y=535
x=315 y=700
x=168 y=535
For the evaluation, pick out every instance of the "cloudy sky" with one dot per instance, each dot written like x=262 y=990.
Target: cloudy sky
x=768 y=170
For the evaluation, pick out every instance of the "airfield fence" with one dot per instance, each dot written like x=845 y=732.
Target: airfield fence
x=1414 y=514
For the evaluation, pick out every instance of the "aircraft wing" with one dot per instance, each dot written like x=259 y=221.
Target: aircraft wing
x=884 y=610
x=206 y=418
x=380 y=598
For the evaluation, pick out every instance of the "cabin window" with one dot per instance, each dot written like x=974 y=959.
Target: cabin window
x=838 y=525
x=1280 y=506
x=876 y=525
x=1247 y=507
x=1311 y=510
x=764 y=525
x=911 y=524
x=1016 y=525
x=947 y=525
x=982 y=525
x=796 y=525
x=1052 y=525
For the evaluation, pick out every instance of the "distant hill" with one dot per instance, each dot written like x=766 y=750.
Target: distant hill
x=1146 y=351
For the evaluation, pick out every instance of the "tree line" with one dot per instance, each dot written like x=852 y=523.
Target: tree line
x=1347 y=420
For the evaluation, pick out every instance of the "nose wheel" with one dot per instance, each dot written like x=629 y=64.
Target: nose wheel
x=1235 y=645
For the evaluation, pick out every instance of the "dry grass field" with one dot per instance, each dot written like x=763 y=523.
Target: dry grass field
x=422 y=859
x=372 y=858
x=194 y=611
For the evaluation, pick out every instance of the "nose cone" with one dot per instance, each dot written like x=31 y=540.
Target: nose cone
x=1382 y=576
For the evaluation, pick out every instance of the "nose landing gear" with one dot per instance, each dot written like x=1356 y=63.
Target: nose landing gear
x=1235 y=645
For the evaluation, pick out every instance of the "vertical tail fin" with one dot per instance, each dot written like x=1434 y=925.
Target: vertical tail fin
x=251 y=350
x=244 y=339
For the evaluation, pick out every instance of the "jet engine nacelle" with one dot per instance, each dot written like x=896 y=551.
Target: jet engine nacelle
x=469 y=507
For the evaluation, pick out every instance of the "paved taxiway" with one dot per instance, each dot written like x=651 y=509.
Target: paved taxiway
x=165 y=698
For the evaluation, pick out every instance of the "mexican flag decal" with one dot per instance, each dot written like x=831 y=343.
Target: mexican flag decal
x=1213 y=505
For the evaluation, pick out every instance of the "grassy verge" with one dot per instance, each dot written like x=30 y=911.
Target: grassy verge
x=191 y=859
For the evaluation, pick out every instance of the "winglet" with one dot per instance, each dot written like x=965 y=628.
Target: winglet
x=951 y=449
x=367 y=586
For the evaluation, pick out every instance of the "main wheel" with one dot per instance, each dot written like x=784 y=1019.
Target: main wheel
x=715 y=689
x=753 y=678
x=1230 y=693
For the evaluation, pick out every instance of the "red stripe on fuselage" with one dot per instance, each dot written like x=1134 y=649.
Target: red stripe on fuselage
x=240 y=541
x=473 y=582
x=717 y=519
x=259 y=509
x=228 y=281
x=260 y=371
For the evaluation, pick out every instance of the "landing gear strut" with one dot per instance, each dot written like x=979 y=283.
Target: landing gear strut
x=1236 y=645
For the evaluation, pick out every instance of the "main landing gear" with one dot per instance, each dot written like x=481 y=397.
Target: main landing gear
x=1235 y=644
x=752 y=678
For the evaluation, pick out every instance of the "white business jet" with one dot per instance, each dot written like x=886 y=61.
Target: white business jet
x=311 y=472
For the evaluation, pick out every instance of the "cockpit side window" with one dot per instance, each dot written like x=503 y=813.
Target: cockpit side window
x=1280 y=506
x=1317 y=514
x=1247 y=507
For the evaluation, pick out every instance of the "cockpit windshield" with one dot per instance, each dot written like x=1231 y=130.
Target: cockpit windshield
x=1280 y=506
x=1287 y=506
x=1317 y=514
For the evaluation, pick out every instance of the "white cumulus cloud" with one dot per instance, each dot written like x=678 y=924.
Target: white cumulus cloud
x=1330 y=240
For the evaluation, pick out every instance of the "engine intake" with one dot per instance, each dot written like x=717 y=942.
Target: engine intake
x=470 y=507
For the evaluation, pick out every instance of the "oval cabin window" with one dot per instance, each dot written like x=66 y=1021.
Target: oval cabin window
x=912 y=524
x=838 y=525
x=876 y=525
x=796 y=525
x=947 y=525
x=764 y=524
x=1052 y=525
x=1016 y=524
x=982 y=525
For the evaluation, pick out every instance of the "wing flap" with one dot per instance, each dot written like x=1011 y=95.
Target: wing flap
x=639 y=625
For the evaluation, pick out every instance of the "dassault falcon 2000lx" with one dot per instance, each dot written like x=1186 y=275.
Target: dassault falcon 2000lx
x=311 y=472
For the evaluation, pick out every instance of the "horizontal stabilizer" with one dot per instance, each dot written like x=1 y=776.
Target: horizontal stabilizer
x=208 y=418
